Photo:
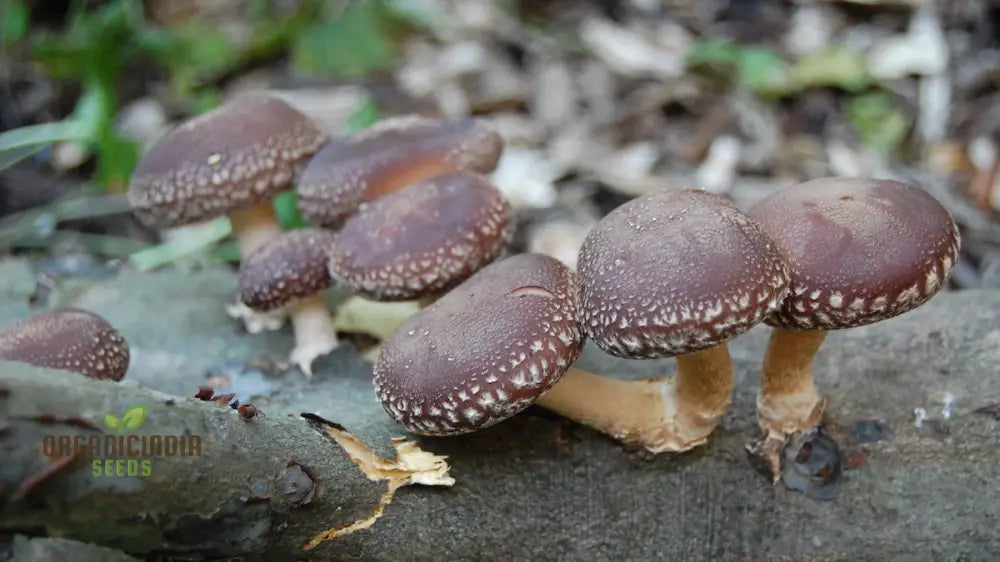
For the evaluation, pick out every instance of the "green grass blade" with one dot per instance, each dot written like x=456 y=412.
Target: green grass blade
x=44 y=133
x=10 y=157
x=18 y=144
x=195 y=239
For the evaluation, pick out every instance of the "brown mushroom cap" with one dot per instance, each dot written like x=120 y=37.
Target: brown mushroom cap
x=422 y=239
x=68 y=339
x=236 y=155
x=391 y=155
x=676 y=272
x=859 y=250
x=484 y=351
x=292 y=266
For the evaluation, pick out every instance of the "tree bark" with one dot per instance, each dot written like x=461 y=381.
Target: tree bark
x=265 y=484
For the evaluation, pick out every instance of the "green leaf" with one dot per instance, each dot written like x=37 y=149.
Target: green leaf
x=366 y=115
x=111 y=421
x=118 y=157
x=134 y=416
x=354 y=44
x=286 y=207
x=756 y=68
x=878 y=121
x=422 y=13
x=93 y=110
x=14 y=18
x=226 y=252
x=714 y=52
x=761 y=70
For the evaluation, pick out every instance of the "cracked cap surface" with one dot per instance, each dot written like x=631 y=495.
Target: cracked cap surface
x=233 y=156
x=68 y=339
x=391 y=155
x=859 y=250
x=422 y=239
x=484 y=351
x=292 y=266
x=676 y=272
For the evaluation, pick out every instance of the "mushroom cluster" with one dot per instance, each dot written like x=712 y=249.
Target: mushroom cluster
x=401 y=211
x=405 y=211
x=677 y=273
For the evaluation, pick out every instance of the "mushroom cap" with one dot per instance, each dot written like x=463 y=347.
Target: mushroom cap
x=422 y=239
x=391 y=155
x=676 y=272
x=484 y=351
x=292 y=266
x=231 y=157
x=859 y=250
x=68 y=339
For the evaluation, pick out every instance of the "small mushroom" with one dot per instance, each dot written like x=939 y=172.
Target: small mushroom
x=391 y=155
x=290 y=272
x=859 y=251
x=68 y=339
x=484 y=351
x=423 y=239
x=230 y=160
x=674 y=274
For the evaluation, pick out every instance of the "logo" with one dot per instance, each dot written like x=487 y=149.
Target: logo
x=131 y=419
x=124 y=452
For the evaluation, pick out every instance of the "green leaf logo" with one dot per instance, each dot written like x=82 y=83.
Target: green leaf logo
x=134 y=416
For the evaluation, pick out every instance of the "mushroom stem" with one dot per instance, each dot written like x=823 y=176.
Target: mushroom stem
x=659 y=414
x=315 y=335
x=254 y=226
x=788 y=401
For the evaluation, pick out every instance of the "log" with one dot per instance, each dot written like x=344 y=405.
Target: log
x=536 y=487
x=190 y=476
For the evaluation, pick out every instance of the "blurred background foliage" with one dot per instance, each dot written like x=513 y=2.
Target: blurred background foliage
x=737 y=95
x=99 y=42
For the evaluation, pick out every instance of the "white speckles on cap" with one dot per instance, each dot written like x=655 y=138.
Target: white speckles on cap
x=389 y=156
x=397 y=247
x=293 y=265
x=676 y=272
x=231 y=157
x=68 y=339
x=488 y=327
x=880 y=246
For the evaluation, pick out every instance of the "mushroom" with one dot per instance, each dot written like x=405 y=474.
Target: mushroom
x=676 y=273
x=423 y=239
x=230 y=160
x=671 y=274
x=859 y=251
x=389 y=156
x=290 y=272
x=484 y=351
x=68 y=339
